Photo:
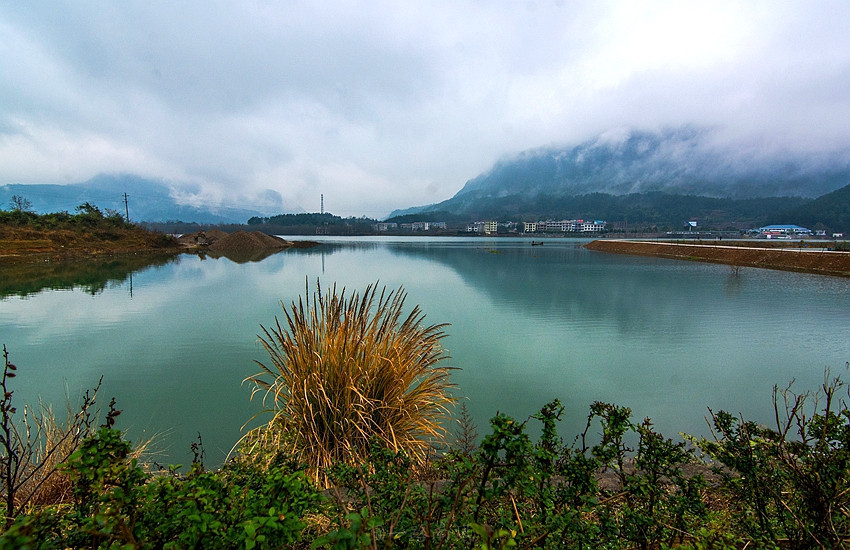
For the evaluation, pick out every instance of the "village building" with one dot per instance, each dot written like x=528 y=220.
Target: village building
x=565 y=226
x=783 y=231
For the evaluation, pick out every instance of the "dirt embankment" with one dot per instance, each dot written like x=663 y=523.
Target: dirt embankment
x=23 y=244
x=807 y=260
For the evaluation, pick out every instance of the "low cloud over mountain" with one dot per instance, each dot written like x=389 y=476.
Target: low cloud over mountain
x=681 y=161
x=148 y=200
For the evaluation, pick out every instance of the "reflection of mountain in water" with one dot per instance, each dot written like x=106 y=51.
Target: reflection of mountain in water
x=563 y=280
x=93 y=275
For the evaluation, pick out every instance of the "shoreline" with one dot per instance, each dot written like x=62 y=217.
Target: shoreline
x=30 y=246
x=817 y=261
x=76 y=255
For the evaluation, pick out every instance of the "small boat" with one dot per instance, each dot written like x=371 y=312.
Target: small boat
x=536 y=243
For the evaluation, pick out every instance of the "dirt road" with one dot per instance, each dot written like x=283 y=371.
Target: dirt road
x=808 y=260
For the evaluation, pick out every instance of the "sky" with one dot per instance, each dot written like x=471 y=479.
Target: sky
x=379 y=105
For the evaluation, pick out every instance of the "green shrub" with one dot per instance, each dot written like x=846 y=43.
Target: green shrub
x=118 y=505
x=791 y=481
x=87 y=216
x=786 y=486
x=515 y=491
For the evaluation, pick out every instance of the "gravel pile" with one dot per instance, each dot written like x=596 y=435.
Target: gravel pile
x=201 y=238
x=242 y=242
x=239 y=246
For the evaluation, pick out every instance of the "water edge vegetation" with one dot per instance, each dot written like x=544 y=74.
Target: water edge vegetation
x=617 y=484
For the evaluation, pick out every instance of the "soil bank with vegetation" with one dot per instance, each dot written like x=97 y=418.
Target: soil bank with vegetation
x=786 y=256
x=26 y=237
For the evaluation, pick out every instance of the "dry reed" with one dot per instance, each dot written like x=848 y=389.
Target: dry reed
x=43 y=482
x=33 y=449
x=346 y=370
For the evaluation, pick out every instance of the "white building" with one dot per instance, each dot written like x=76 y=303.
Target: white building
x=594 y=226
x=384 y=226
x=553 y=226
x=774 y=231
x=569 y=226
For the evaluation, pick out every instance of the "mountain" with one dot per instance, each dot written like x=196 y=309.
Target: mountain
x=148 y=200
x=830 y=212
x=685 y=162
x=651 y=211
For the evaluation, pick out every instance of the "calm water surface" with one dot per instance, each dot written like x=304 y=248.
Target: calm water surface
x=528 y=324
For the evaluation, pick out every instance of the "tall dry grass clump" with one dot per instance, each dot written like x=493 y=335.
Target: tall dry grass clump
x=346 y=369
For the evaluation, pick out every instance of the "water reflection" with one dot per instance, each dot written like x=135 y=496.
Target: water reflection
x=528 y=324
x=240 y=256
x=92 y=276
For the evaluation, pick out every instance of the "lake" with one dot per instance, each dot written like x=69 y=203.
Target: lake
x=174 y=340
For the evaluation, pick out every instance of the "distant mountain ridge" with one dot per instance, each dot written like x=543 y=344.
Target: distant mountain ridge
x=831 y=210
x=149 y=200
x=681 y=161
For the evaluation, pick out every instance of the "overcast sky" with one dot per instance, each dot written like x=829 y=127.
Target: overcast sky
x=387 y=104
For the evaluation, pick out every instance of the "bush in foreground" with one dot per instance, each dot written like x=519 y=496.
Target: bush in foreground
x=348 y=379
x=631 y=488
x=116 y=504
x=349 y=369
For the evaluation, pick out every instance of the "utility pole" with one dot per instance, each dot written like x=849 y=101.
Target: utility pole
x=126 y=209
x=323 y=203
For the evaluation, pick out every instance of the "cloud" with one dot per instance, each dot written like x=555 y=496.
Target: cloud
x=381 y=105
